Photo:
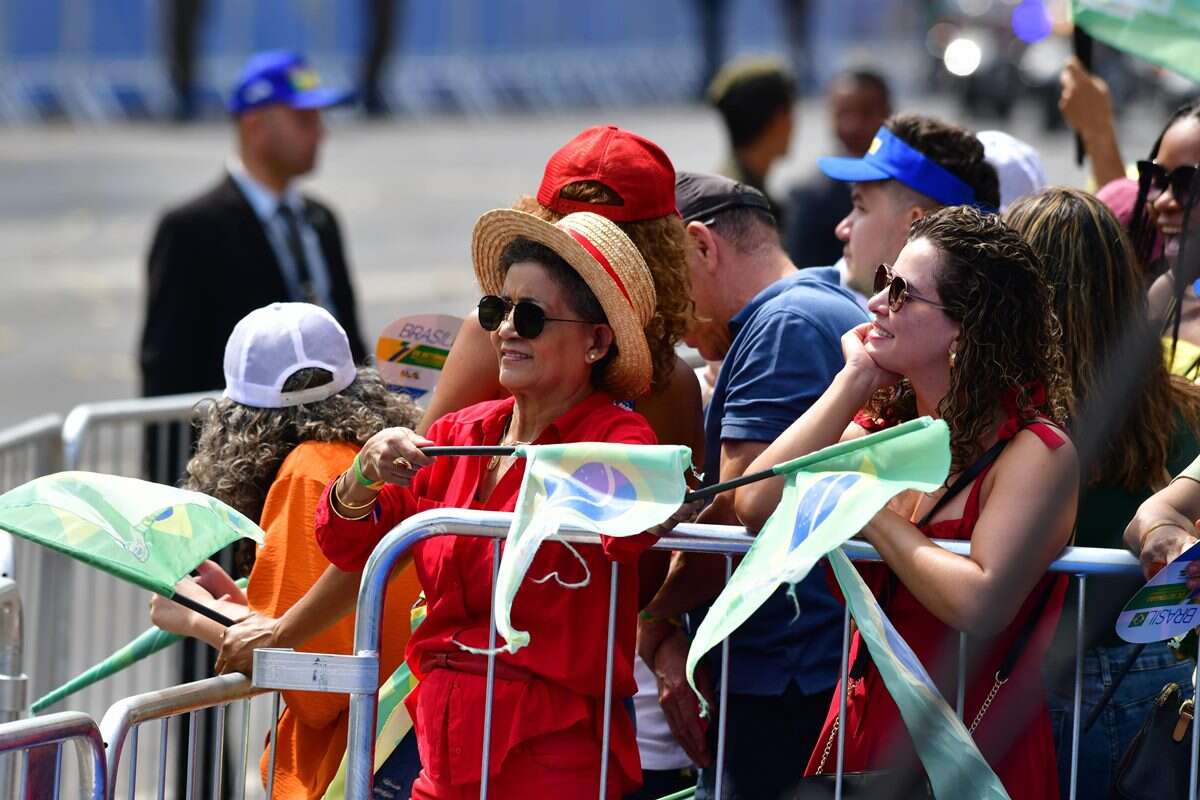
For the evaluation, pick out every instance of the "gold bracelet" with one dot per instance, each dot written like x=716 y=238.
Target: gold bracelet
x=349 y=506
x=1160 y=524
x=333 y=506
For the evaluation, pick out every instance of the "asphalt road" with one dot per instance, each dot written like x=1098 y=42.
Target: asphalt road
x=78 y=205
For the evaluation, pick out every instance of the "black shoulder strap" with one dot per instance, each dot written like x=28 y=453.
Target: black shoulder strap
x=859 y=668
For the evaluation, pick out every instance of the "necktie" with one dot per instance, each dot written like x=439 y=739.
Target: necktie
x=296 y=246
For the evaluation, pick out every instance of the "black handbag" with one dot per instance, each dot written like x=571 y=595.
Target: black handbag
x=1158 y=763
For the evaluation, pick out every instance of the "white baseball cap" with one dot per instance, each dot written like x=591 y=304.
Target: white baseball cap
x=1017 y=164
x=272 y=343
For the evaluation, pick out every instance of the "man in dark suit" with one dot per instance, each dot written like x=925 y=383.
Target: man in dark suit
x=250 y=240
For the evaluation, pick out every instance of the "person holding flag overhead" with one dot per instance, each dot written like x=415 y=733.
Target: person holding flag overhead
x=566 y=306
x=294 y=413
x=963 y=330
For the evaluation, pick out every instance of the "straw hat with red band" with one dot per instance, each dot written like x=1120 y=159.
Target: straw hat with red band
x=607 y=261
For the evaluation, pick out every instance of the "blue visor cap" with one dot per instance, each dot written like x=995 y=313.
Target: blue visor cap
x=283 y=77
x=891 y=158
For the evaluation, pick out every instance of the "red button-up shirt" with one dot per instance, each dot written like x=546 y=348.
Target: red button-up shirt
x=567 y=627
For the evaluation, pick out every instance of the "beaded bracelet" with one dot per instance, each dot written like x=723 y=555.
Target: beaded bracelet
x=362 y=479
x=646 y=616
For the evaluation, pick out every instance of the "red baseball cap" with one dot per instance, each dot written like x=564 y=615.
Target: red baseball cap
x=635 y=168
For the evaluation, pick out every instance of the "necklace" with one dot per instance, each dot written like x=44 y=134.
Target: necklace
x=494 y=461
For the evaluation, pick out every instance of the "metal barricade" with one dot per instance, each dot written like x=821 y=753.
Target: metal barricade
x=120 y=730
x=357 y=675
x=30 y=450
x=39 y=735
x=81 y=613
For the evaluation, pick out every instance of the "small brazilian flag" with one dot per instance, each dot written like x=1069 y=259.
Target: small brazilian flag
x=145 y=533
x=828 y=497
x=614 y=489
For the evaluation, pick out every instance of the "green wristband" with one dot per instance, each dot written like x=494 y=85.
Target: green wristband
x=362 y=479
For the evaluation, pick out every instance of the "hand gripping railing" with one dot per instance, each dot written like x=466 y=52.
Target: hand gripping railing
x=357 y=675
x=120 y=725
x=55 y=729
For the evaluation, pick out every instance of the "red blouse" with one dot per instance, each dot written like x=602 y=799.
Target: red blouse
x=1014 y=734
x=567 y=627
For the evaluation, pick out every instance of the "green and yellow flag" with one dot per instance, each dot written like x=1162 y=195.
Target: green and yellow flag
x=828 y=497
x=1163 y=32
x=614 y=489
x=145 y=533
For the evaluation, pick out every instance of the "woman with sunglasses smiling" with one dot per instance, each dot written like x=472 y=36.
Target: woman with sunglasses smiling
x=963 y=330
x=565 y=307
x=1162 y=216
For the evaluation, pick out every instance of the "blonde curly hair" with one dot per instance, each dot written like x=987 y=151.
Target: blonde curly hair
x=662 y=242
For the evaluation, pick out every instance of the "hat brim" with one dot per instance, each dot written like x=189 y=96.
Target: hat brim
x=628 y=375
x=851 y=170
x=322 y=98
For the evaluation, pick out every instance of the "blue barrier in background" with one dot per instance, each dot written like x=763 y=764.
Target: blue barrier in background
x=97 y=59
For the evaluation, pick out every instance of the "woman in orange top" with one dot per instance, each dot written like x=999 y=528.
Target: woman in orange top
x=294 y=414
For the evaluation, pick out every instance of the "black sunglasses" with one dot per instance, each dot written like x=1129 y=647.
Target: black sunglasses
x=898 y=289
x=1156 y=178
x=528 y=319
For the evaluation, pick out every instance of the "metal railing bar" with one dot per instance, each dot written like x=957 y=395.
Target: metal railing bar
x=193 y=724
x=706 y=538
x=23 y=784
x=58 y=751
x=719 y=780
x=606 y=729
x=164 y=732
x=133 y=759
x=275 y=699
x=140 y=410
x=161 y=449
x=54 y=729
x=1077 y=703
x=245 y=761
x=1192 y=777
x=162 y=704
x=490 y=685
x=219 y=750
x=843 y=691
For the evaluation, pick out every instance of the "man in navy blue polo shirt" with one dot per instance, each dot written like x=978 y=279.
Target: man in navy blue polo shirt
x=779 y=333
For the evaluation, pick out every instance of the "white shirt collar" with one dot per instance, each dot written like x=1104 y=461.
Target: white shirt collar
x=264 y=201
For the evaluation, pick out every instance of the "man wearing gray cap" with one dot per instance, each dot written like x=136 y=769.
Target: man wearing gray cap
x=779 y=333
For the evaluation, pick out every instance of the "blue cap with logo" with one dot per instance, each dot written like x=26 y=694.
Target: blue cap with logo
x=892 y=158
x=283 y=77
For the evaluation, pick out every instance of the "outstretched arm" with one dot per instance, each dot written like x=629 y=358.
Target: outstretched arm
x=1164 y=527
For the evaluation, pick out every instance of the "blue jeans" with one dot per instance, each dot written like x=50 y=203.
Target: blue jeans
x=1101 y=748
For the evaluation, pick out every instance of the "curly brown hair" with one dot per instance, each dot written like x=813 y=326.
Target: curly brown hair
x=662 y=243
x=241 y=448
x=955 y=149
x=1100 y=298
x=990 y=282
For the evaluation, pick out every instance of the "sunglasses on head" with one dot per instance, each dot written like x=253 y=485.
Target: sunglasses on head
x=1157 y=179
x=899 y=291
x=528 y=319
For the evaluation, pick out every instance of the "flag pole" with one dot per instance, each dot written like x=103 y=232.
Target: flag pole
x=203 y=610
x=471 y=450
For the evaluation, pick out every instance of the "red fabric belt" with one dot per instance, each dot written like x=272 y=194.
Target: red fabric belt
x=473 y=664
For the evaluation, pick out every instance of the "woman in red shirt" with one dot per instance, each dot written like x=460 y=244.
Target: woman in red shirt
x=566 y=306
x=963 y=330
